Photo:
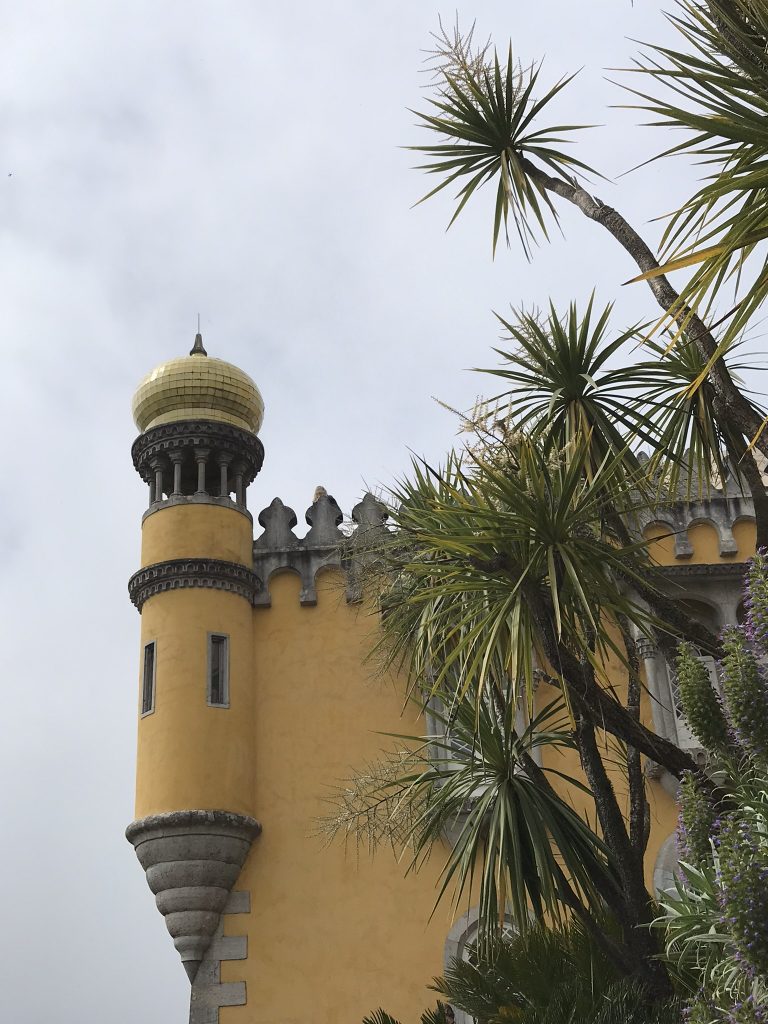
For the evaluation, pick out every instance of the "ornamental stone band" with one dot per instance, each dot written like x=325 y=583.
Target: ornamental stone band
x=178 y=573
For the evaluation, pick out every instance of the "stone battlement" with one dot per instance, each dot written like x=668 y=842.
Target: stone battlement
x=278 y=549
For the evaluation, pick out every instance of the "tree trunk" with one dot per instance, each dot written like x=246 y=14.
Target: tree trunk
x=732 y=409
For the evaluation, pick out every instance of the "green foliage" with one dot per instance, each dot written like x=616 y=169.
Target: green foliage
x=716 y=921
x=743 y=846
x=485 y=112
x=572 y=380
x=690 y=439
x=563 y=388
x=697 y=819
x=497 y=544
x=380 y=1017
x=717 y=94
x=516 y=553
x=545 y=977
x=519 y=842
x=439 y=1015
x=745 y=688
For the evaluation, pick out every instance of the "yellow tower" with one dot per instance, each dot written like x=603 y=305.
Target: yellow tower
x=198 y=451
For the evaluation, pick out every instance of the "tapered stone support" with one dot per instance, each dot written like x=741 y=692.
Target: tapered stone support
x=192 y=860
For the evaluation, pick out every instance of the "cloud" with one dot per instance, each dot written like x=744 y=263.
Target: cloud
x=243 y=161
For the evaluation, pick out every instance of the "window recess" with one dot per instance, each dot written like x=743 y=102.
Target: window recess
x=148 y=678
x=218 y=670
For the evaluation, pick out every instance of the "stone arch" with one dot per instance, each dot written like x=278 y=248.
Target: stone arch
x=703 y=608
x=669 y=537
x=462 y=934
x=666 y=867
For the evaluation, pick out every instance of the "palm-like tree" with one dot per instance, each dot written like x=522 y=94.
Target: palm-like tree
x=516 y=845
x=718 y=95
x=515 y=564
x=516 y=561
x=488 y=120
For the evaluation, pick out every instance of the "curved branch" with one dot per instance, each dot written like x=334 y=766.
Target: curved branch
x=730 y=405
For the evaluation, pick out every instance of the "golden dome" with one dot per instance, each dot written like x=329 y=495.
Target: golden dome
x=197 y=387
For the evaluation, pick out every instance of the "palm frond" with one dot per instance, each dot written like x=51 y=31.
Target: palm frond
x=717 y=94
x=486 y=112
x=548 y=976
x=486 y=543
x=379 y=1017
x=513 y=842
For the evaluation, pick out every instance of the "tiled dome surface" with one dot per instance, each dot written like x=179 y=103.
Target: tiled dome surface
x=198 y=387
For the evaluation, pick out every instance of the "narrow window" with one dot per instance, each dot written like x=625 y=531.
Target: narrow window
x=148 y=680
x=218 y=670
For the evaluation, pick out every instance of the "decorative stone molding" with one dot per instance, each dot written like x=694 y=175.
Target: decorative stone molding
x=716 y=570
x=278 y=549
x=370 y=516
x=201 y=434
x=720 y=509
x=177 y=573
x=197 y=499
x=209 y=993
x=192 y=860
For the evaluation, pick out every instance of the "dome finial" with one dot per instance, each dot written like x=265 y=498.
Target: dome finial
x=198 y=349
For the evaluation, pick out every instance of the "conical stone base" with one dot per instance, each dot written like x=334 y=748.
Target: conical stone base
x=192 y=860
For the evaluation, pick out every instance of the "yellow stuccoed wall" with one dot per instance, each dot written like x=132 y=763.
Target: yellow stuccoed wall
x=197 y=531
x=191 y=755
x=332 y=934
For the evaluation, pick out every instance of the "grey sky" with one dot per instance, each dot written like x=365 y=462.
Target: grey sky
x=239 y=159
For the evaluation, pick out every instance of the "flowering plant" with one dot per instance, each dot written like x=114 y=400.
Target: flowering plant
x=716 y=919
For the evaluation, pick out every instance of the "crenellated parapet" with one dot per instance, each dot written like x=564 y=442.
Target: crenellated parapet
x=325 y=545
x=721 y=509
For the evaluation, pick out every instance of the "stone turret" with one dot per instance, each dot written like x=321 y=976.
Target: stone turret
x=198 y=451
x=201 y=577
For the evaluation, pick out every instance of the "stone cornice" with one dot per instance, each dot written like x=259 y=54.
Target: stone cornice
x=190 y=434
x=178 y=573
x=196 y=499
x=717 y=570
x=192 y=822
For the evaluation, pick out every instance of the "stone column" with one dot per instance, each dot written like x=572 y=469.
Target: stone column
x=201 y=457
x=223 y=459
x=158 y=467
x=239 y=469
x=176 y=459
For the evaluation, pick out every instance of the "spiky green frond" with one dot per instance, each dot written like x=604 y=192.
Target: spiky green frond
x=380 y=1017
x=565 y=388
x=549 y=977
x=514 y=845
x=717 y=94
x=487 y=114
x=496 y=548
x=572 y=381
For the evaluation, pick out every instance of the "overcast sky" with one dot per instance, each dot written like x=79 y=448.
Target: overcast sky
x=241 y=160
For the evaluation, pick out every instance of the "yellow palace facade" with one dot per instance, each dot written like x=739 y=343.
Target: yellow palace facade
x=255 y=700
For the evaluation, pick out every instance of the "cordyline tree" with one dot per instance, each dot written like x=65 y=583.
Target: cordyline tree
x=519 y=561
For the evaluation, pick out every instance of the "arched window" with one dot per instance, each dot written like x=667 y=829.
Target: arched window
x=667 y=866
x=459 y=942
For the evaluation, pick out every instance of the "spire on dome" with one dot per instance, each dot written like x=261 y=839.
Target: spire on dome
x=197 y=349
